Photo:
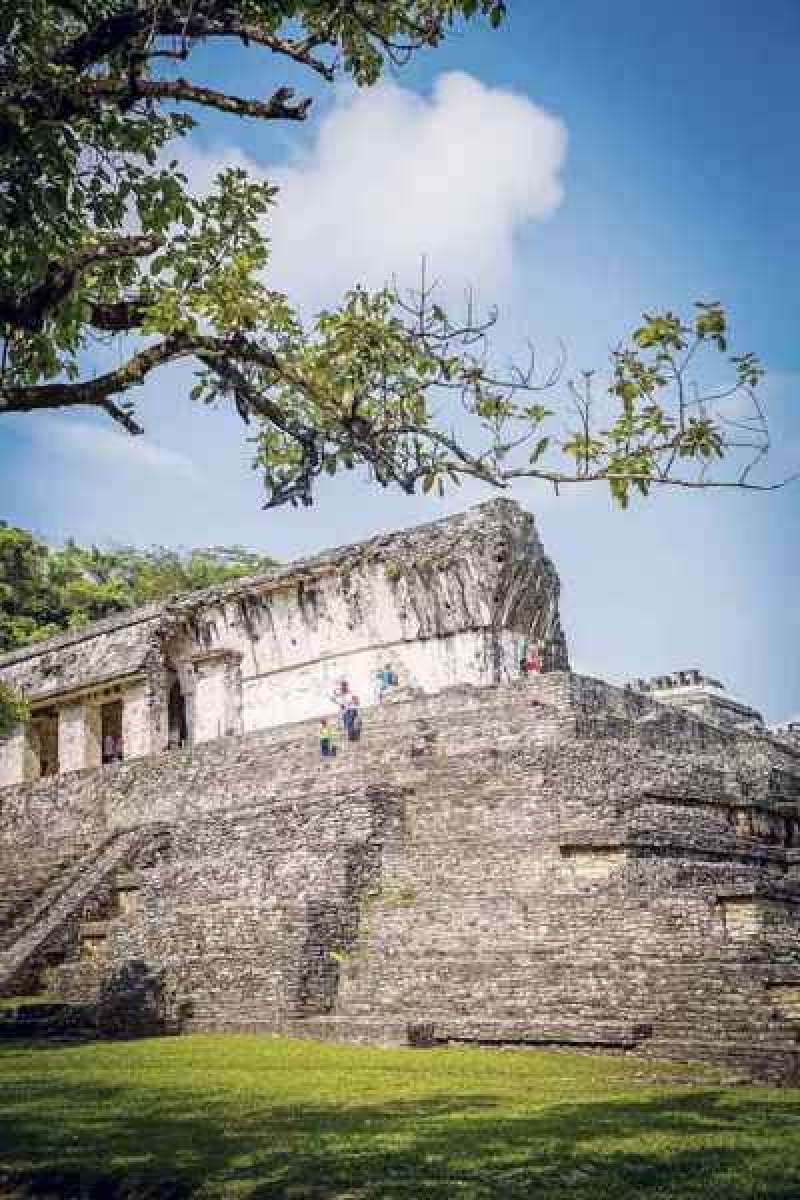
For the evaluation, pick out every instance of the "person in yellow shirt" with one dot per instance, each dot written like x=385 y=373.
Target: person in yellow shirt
x=328 y=737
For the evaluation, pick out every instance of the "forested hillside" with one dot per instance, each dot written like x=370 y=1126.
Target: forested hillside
x=46 y=589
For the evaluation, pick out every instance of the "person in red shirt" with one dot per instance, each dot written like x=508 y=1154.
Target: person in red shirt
x=531 y=664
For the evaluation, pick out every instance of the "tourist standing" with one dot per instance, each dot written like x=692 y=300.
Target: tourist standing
x=531 y=664
x=340 y=698
x=351 y=719
x=109 y=748
x=327 y=738
x=385 y=678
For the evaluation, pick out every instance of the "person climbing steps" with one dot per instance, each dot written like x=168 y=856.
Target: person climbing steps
x=328 y=738
x=351 y=719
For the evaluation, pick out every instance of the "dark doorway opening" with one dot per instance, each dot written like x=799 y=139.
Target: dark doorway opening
x=44 y=743
x=111 y=731
x=178 y=728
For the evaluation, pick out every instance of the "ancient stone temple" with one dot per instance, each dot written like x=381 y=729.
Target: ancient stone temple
x=536 y=859
x=446 y=603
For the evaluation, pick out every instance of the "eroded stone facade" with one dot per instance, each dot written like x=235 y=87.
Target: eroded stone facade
x=447 y=603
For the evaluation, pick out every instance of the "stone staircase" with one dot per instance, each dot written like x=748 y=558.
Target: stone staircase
x=51 y=932
x=25 y=884
x=58 y=908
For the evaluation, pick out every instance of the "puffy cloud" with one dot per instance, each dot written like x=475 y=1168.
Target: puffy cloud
x=391 y=176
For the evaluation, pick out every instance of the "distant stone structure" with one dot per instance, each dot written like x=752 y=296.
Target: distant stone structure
x=705 y=697
x=788 y=732
x=540 y=860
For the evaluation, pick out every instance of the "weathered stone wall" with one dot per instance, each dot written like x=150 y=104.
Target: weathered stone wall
x=553 y=861
x=447 y=603
x=13 y=756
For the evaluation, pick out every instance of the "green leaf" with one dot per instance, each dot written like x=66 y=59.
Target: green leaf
x=619 y=492
x=539 y=449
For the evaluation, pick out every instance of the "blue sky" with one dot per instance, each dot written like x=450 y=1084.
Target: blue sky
x=599 y=160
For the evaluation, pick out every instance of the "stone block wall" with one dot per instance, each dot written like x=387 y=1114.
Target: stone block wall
x=549 y=862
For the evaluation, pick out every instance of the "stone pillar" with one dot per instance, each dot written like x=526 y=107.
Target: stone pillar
x=93 y=753
x=155 y=716
x=138 y=733
x=187 y=680
x=216 y=697
x=234 y=719
x=13 y=756
x=73 y=736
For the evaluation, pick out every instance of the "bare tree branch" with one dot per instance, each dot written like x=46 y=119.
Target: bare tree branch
x=198 y=28
x=277 y=107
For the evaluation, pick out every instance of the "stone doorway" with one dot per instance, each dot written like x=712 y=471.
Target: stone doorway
x=176 y=709
x=44 y=744
x=111 y=731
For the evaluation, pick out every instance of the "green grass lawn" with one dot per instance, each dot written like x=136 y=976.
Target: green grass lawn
x=280 y=1120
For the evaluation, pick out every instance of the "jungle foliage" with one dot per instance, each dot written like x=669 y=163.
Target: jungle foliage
x=45 y=590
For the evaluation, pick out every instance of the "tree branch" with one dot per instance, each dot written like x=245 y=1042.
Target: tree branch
x=118 y=316
x=197 y=28
x=98 y=391
x=28 y=312
x=277 y=107
x=103 y=38
x=115 y=32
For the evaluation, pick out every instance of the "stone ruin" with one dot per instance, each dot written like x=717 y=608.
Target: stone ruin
x=448 y=603
x=539 y=860
x=705 y=697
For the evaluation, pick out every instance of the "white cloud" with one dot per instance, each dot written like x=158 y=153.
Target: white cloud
x=392 y=176
x=110 y=448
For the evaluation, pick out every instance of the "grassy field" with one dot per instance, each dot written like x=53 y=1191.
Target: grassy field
x=280 y=1120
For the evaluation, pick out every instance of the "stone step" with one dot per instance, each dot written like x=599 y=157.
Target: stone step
x=32 y=888
x=374 y=754
x=398 y=719
x=427 y=1029
x=443 y=707
x=766 y=1061
x=355 y=771
x=68 y=897
x=401 y=740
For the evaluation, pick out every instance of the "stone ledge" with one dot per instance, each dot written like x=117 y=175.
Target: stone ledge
x=641 y=849
x=441 y=1030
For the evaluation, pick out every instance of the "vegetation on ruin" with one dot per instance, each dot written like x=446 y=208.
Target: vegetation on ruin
x=105 y=240
x=239 y=1117
x=13 y=709
x=45 y=590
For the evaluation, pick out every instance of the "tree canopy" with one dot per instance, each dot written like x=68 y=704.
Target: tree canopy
x=103 y=238
x=45 y=590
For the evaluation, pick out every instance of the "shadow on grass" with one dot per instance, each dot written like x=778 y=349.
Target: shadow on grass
x=135 y=1143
